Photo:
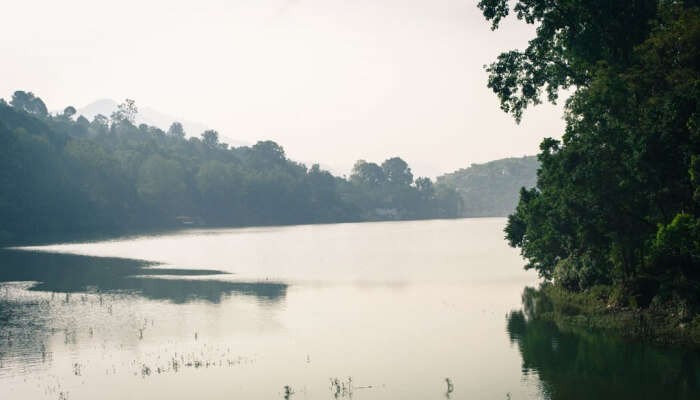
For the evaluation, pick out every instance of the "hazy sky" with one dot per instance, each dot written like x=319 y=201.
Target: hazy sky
x=332 y=81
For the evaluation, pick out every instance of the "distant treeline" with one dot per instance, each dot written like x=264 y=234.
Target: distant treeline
x=65 y=175
x=492 y=189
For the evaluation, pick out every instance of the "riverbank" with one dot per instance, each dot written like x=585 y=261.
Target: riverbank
x=48 y=238
x=668 y=323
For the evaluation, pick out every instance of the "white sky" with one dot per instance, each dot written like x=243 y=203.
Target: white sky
x=332 y=81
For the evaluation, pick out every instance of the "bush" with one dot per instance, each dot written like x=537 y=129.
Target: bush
x=576 y=274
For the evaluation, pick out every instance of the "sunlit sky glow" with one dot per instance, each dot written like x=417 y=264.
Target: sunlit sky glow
x=332 y=81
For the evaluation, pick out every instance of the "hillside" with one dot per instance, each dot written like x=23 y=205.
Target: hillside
x=60 y=175
x=491 y=189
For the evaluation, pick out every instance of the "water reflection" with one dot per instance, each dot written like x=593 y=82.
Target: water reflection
x=67 y=273
x=579 y=364
x=54 y=305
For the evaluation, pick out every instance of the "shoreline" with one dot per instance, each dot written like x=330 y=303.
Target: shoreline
x=666 y=325
x=93 y=236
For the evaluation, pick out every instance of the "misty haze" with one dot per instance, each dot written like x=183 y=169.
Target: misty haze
x=305 y=199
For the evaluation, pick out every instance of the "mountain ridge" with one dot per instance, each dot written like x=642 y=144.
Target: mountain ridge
x=152 y=117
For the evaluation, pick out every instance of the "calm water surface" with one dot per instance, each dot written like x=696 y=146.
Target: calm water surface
x=365 y=311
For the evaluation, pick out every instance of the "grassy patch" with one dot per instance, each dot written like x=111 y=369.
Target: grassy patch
x=603 y=307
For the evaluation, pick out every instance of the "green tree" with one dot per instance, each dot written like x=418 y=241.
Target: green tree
x=425 y=187
x=397 y=171
x=69 y=112
x=612 y=191
x=82 y=121
x=176 y=130
x=222 y=188
x=449 y=202
x=367 y=173
x=572 y=38
x=161 y=182
x=100 y=124
x=26 y=101
x=126 y=112
x=210 y=138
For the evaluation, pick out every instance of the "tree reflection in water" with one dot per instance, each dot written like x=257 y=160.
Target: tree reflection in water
x=574 y=363
x=67 y=273
x=44 y=295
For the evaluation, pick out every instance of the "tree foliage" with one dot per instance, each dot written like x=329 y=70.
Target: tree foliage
x=107 y=175
x=26 y=101
x=69 y=112
x=125 y=112
x=573 y=37
x=397 y=171
x=615 y=198
x=367 y=173
x=176 y=130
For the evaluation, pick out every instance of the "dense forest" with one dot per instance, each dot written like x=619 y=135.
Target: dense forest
x=617 y=198
x=63 y=174
x=491 y=189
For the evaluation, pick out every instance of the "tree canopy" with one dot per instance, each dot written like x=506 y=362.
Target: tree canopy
x=26 y=101
x=63 y=176
x=177 y=130
x=614 y=201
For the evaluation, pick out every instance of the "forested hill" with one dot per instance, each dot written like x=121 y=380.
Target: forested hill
x=64 y=174
x=491 y=189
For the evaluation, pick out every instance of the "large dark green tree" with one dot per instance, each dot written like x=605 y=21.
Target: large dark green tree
x=397 y=171
x=26 y=101
x=367 y=173
x=614 y=195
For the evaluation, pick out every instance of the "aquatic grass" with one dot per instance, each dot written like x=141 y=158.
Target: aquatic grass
x=342 y=389
x=599 y=308
x=288 y=392
x=450 y=387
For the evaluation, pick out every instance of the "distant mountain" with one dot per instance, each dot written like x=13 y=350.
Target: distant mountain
x=151 y=117
x=102 y=106
x=492 y=189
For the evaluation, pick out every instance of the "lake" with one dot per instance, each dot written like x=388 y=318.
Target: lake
x=388 y=310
